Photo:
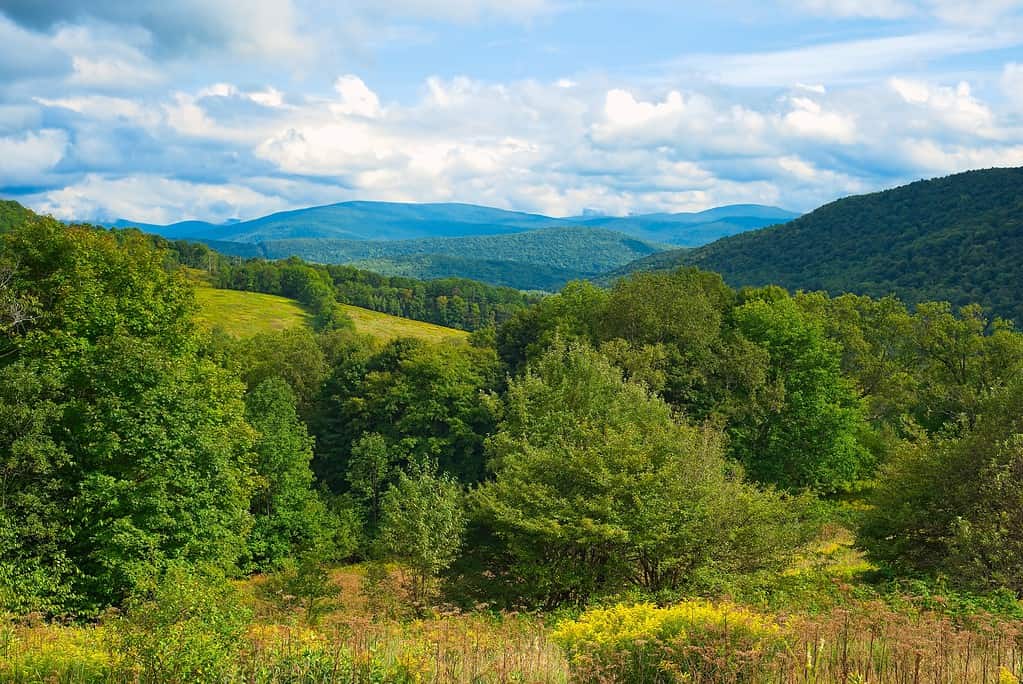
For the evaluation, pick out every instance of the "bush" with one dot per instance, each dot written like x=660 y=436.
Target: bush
x=186 y=628
x=691 y=641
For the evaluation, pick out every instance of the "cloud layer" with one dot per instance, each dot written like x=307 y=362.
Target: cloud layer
x=166 y=111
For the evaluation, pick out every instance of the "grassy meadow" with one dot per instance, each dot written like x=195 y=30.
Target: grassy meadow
x=385 y=327
x=244 y=314
x=820 y=624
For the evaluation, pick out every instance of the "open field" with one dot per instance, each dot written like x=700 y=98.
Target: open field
x=386 y=327
x=370 y=635
x=243 y=314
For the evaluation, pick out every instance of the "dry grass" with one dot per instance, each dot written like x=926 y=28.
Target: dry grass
x=863 y=642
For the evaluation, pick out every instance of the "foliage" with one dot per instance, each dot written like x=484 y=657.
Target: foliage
x=950 y=239
x=953 y=504
x=370 y=473
x=452 y=302
x=293 y=356
x=690 y=641
x=422 y=526
x=288 y=515
x=807 y=436
x=122 y=449
x=186 y=628
x=577 y=248
x=516 y=274
x=428 y=402
x=596 y=485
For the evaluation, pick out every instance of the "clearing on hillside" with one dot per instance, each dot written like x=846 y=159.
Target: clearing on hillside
x=387 y=327
x=243 y=314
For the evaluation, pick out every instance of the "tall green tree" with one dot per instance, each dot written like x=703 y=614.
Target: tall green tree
x=807 y=433
x=597 y=485
x=370 y=473
x=122 y=448
x=422 y=527
x=288 y=515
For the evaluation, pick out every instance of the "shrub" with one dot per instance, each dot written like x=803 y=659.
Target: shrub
x=186 y=628
x=691 y=641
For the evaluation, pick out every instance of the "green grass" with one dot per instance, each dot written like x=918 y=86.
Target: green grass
x=243 y=314
x=386 y=327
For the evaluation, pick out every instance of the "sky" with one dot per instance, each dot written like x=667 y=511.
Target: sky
x=159 y=111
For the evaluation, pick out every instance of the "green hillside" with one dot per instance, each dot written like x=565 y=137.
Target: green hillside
x=12 y=213
x=583 y=250
x=386 y=327
x=504 y=273
x=958 y=238
x=243 y=314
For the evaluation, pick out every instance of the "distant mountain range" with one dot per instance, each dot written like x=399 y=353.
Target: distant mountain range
x=528 y=251
x=957 y=239
x=381 y=221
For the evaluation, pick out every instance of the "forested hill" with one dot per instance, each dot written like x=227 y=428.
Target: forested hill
x=958 y=238
x=12 y=213
x=545 y=258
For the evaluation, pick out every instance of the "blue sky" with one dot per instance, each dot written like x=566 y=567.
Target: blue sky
x=160 y=111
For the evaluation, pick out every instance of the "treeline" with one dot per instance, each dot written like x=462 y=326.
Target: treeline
x=453 y=302
x=670 y=436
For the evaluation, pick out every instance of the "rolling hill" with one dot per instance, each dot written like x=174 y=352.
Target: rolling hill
x=958 y=238
x=397 y=221
x=516 y=249
x=695 y=229
x=361 y=221
x=492 y=271
x=545 y=258
x=243 y=314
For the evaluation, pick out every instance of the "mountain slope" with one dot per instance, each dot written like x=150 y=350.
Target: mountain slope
x=363 y=221
x=398 y=221
x=538 y=259
x=695 y=229
x=958 y=238
x=495 y=272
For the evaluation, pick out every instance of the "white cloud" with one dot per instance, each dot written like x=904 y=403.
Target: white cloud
x=100 y=107
x=27 y=157
x=459 y=10
x=808 y=119
x=356 y=98
x=624 y=114
x=149 y=199
x=880 y=9
x=954 y=12
x=1012 y=84
x=955 y=108
x=977 y=13
x=934 y=158
x=842 y=61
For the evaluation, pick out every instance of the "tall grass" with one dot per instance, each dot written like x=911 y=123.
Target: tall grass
x=460 y=649
x=868 y=642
